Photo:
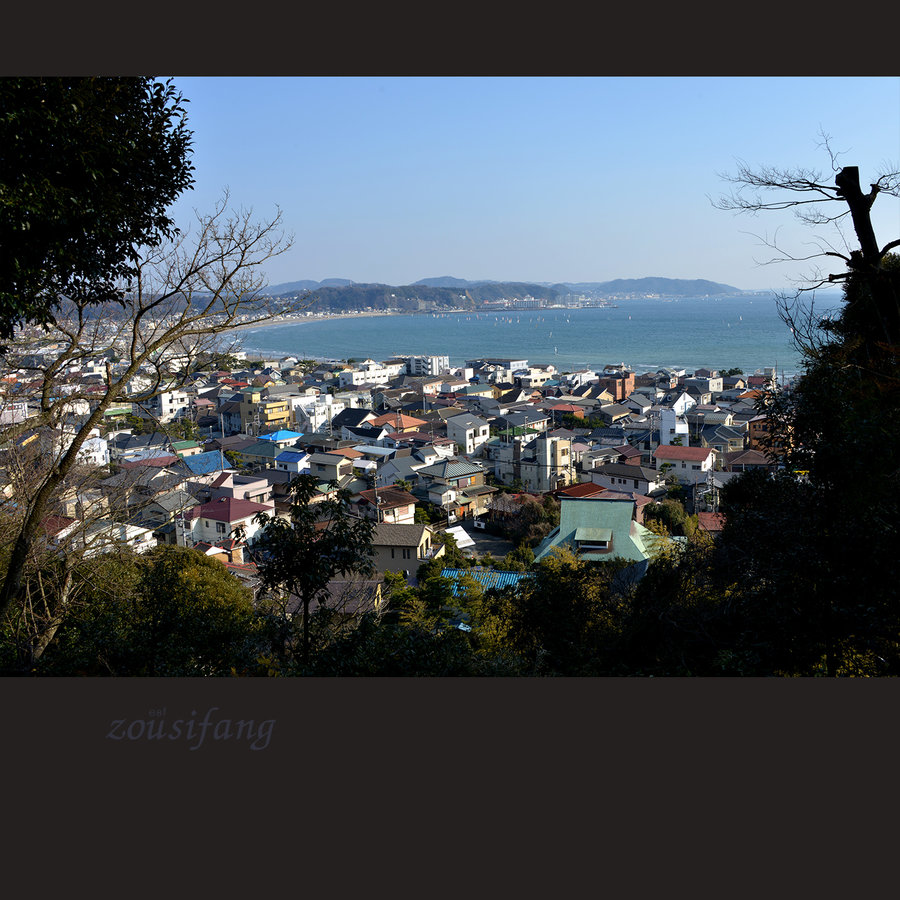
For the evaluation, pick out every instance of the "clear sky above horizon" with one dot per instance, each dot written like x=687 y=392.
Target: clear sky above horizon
x=542 y=179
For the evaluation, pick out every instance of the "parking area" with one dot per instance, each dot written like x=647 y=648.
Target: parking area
x=484 y=543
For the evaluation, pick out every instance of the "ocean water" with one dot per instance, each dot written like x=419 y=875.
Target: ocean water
x=688 y=333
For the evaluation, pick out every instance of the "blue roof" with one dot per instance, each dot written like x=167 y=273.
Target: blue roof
x=282 y=435
x=291 y=456
x=206 y=463
x=487 y=578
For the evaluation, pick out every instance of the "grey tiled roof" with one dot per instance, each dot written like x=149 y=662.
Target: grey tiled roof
x=388 y=535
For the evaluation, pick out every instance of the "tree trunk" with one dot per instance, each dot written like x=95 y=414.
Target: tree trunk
x=847 y=181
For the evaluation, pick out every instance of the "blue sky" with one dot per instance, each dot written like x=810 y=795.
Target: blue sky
x=394 y=179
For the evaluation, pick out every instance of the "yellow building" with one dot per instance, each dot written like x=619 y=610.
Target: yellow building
x=260 y=415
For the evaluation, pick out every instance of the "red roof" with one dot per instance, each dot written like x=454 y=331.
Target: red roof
x=584 y=489
x=346 y=452
x=53 y=525
x=688 y=454
x=397 y=420
x=228 y=509
x=221 y=479
x=639 y=499
x=710 y=521
x=567 y=407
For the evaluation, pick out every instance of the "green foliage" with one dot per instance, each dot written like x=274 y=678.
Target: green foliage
x=564 y=620
x=417 y=648
x=671 y=515
x=88 y=169
x=173 y=612
x=533 y=521
x=299 y=556
x=520 y=559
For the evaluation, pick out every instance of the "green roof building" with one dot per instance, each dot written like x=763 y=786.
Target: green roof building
x=597 y=529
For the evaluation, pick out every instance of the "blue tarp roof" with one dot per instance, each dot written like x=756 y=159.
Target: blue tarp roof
x=282 y=435
x=206 y=463
x=487 y=578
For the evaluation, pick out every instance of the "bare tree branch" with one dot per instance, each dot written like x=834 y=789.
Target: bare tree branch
x=187 y=293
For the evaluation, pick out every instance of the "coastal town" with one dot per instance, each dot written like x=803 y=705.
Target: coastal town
x=423 y=448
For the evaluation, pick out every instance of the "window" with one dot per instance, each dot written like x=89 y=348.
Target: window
x=220 y=527
x=695 y=467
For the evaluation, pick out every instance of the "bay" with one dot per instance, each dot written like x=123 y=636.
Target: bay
x=645 y=334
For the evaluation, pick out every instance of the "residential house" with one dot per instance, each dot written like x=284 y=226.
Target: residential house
x=543 y=465
x=104 y=536
x=260 y=455
x=397 y=422
x=167 y=406
x=294 y=461
x=211 y=463
x=623 y=477
x=240 y=487
x=330 y=466
x=722 y=438
x=689 y=464
x=598 y=530
x=619 y=383
x=186 y=448
x=403 y=548
x=457 y=486
x=389 y=504
x=742 y=460
x=219 y=518
x=282 y=438
x=468 y=432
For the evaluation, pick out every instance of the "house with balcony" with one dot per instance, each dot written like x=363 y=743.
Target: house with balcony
x=403 y=548
x=468 y=432
x=167 y=406
x=262 y=414
x=217 y=519
x=330 y=466
x=391 y=505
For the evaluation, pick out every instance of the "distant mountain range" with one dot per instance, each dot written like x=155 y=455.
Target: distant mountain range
x=334 y=294
x=678 y=286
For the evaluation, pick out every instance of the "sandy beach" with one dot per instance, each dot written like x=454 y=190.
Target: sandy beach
x=300 y=319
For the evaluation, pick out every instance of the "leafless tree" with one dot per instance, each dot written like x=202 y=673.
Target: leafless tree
x=188 y=294
x=819 y=200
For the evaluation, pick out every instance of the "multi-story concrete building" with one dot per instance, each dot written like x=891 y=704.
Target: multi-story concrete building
x=261 y=414
x=168 y=405
x=427 y=365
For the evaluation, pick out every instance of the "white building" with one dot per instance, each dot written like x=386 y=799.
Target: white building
x=370 y=372
x=167 y=406
x=468 y=432
x=672 y=426
x=217 y=520
x=313 y=413
x=427 y=365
